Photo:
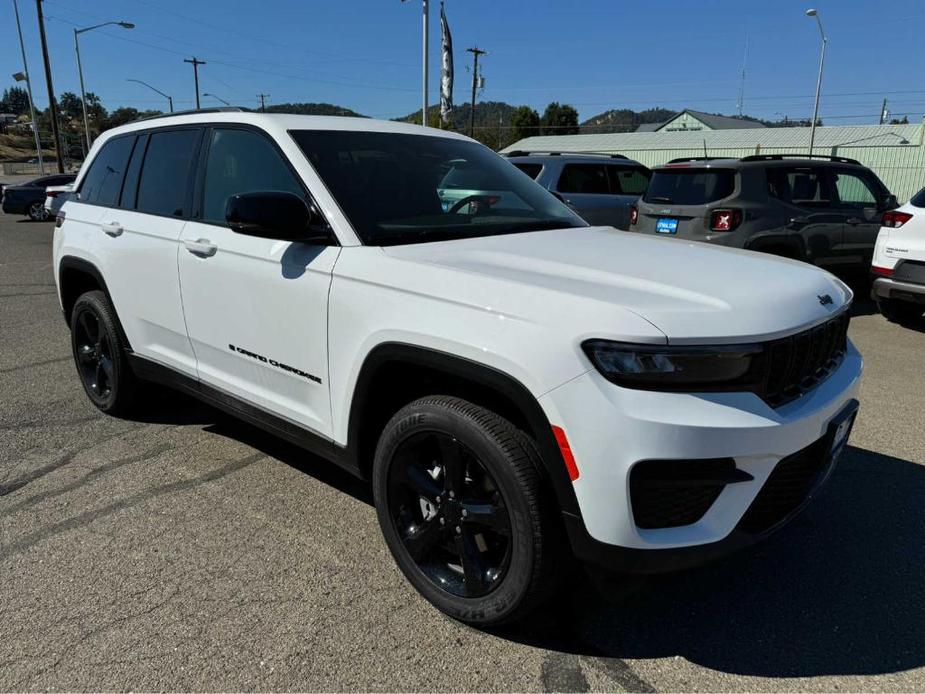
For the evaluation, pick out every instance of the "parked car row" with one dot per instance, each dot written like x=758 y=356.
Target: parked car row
x=30 y=198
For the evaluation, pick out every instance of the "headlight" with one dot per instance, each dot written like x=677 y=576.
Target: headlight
x=663 y=367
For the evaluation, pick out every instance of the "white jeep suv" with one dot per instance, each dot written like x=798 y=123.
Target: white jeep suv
x=898 y=265
x=521 y=389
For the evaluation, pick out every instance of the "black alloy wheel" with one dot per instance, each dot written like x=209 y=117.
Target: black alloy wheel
x=450 y=514
x=94 y=355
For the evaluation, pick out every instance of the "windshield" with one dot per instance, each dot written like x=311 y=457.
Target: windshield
x=397 y=188
x=690 y=186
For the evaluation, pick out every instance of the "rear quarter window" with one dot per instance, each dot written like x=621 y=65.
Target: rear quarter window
x=918 y=200
x=690 y=186
x=103 y=182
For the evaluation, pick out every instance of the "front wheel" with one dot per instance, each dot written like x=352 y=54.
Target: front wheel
x=462 y=509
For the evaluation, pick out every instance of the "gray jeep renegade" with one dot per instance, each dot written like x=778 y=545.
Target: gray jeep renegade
x=822 y=209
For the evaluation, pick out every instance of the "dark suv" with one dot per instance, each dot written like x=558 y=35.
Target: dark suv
x=602 y=188
x=820 y=209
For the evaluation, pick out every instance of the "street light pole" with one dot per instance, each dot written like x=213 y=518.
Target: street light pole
x=167 y=96
x=825 y=41
x=426 y=41
x=80 y=72
x=25 y=67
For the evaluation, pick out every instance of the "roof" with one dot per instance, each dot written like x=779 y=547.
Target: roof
x=711 y=120
x=281 y=122
x=740 y=138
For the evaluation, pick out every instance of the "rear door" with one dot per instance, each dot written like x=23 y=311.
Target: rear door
x=142 y=234
x=586 y=187
x=859 y=196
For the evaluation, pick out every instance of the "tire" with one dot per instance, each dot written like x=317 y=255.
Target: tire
x=902 y=312
x=37 y=212
x=500 y=527
x=100 y=355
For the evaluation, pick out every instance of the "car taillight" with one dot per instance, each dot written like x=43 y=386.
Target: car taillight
x=59 y=220
x=894 y=219
x=634 y=215
x=725 y=220
x=882 y=271
x=51 y=193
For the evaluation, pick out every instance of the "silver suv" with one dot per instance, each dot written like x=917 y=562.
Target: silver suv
x=602 y=188
x=824 y=210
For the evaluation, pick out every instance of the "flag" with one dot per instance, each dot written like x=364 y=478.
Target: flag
x=446 y=68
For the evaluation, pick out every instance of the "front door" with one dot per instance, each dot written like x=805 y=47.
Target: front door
x=256 y=309
x=858 y=199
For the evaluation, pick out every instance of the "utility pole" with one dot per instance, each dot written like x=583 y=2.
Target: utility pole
x=52 y=106
x=476 y=52
x=263 y=103
x=25 y=67
x=741 y=99
x=195 y=63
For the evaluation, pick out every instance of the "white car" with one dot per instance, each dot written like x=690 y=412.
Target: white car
x=522 y=390
x=899 y=262
x=55 y=197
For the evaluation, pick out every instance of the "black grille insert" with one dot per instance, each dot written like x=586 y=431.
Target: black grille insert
x=671 y=493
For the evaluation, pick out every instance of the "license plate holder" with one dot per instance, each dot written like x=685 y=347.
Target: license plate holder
x=666 y=226
x=840 y=430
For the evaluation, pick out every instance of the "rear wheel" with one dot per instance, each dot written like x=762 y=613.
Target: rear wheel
x=100 y=354
x=460 y=503
x=37 y=212
x=897 y=311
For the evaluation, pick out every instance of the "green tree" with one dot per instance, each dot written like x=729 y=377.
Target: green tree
x=15 y=100
x=70 y=107
x=525 y=123
x=559 y=119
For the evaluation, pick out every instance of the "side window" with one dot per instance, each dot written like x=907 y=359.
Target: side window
x=130 y=187
x=242 y=161
x=584 y=178
x=164 y=182
x=103 y=181
x=532 y=170
x=803 y=186
x=628 y=181
x=854 y=190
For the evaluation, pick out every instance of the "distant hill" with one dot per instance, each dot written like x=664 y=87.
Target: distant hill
x=313 y=109
x=489 y=115
x=624 y=120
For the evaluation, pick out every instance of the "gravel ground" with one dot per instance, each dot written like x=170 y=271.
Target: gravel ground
x=183 y=550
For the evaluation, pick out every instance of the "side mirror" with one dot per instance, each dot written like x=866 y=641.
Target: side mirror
x=888 y=202
x=276 y=215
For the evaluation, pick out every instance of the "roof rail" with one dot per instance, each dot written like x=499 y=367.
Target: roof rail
x=772 y=157
x=189 y=112
x=680 y=160
x=523 y=153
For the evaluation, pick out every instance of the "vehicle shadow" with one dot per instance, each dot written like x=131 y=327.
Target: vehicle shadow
x=838 y=592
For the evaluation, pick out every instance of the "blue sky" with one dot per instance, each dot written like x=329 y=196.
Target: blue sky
x=594 y=54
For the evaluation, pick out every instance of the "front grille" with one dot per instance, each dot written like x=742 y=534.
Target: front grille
x=787 y=487
x=799 y=362
x=671 y=493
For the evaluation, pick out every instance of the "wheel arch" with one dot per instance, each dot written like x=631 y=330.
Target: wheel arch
x=394 y=374
x=768 y=243
x=77 y=276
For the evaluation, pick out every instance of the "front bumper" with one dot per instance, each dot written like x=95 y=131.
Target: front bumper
x=887 y=288
x=610 y=429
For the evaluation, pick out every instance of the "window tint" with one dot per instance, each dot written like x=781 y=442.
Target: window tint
x=584 y=178
x=627 y=181
x=130 y=187
x=164 y=179
x=103 y=181
x=532 y=170
x=804 y=186
x=690 y=186
x=854 y=190
x=918 y=200
x=242 y=161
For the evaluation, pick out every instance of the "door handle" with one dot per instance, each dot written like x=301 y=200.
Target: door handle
x=854 y=220
x=201 y=247
x=112 y=229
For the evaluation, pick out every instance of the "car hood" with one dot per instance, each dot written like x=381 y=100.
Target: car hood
x=692 y=292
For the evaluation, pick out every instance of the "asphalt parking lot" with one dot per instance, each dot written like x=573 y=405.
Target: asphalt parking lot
x=184 y=550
